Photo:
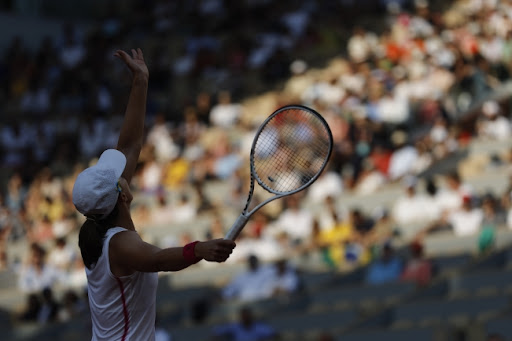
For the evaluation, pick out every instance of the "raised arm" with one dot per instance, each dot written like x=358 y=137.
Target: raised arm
x=132 y=131
x=129 y=253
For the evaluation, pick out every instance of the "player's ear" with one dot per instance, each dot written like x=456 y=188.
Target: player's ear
x=122 y=197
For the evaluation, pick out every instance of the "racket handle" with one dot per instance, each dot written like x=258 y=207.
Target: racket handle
x=239 y=224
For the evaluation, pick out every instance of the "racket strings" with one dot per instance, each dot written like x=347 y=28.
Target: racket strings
x=291 y=150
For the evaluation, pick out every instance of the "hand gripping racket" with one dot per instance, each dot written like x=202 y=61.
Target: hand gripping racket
x=290 y=150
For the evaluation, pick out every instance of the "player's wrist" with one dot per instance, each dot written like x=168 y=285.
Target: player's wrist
x=191 y=254
x=140 y=77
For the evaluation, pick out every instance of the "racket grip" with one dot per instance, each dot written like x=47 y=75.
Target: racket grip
x=239 y=224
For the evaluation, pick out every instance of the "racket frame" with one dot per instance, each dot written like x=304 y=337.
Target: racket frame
x=242 y=219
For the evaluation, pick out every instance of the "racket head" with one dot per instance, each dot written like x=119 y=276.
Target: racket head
x=290 y=150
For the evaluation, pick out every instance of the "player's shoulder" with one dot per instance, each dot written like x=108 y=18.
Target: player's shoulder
x=123 y=236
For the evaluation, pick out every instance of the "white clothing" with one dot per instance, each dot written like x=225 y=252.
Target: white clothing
x=416 y=209
x=329 y=184
x=287 y=281
x=249 y=285
x=32 y=280
x=225 y=115
x=122 y=308
x=296 y=223
x=402 y=161
x=466 y=223
x=61 y=258
x=499 y=129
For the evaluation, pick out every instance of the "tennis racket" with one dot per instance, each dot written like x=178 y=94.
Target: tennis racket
x=289 y=152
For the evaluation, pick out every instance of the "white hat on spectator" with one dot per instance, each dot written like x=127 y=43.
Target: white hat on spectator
x=490 y=108
x=96 y=188
x=298 y=67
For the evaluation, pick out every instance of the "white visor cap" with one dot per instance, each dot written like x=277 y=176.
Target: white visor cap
x=95 y=191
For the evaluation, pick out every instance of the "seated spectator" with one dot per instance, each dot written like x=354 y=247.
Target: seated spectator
x=387 y=268
x=184 y=211
x=361 y=223
x=37 y=274
x=159 y=136
x=403 y=157
x=282 y=280
x=72 y=306
x=31 y=309
x=62 y=255
x=411 y=207
x=492 y=125
x=295 y=221
x=49 y=308
x=225 y=113
x=328 y=184
x=449 y=197
x=417 y=269
x=245 y=329
x=467 y=220
x=250 y=284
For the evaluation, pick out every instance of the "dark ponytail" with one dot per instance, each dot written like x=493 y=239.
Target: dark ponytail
x=90 y=238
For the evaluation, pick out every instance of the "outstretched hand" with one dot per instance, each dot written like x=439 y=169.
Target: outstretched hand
x=217 y=250
x=135 y=62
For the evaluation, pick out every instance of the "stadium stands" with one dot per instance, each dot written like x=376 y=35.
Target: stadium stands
x=418 y=48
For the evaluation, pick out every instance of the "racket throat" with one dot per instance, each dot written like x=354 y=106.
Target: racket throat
x=237 y=227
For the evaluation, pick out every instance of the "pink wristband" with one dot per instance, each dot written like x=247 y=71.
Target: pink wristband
x=189 y=254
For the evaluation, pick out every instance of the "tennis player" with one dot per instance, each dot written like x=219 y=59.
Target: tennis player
x=121 y=268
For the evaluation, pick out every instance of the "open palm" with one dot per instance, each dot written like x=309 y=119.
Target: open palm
x=135 y=62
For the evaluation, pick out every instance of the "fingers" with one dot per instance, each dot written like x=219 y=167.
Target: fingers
x=223 y=250
x=121 y=55
x=136 y=54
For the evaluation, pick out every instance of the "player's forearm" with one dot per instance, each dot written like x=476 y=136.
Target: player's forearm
x=171 y=259
x=132 y=131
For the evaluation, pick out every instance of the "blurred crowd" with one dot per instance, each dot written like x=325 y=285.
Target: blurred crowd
x=397 y=97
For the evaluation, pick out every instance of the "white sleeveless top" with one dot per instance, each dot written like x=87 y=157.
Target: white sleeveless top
x=122 y=308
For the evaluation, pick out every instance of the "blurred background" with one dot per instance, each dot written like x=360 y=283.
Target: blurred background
x=406 y=235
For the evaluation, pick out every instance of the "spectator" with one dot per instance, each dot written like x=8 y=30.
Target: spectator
x=159 y=136
x=411 y=208
x=403 y=157
x=328 y=184
x=62 y=255
x=417 y=269
x=225 y=113
x=245 y=329
x=295 y=221
x=361 y=223
x=184 y=211
x=49 y=308
x=36 y=274
x=492 y=125
x=250 y=284
x=467 y=220
x=387 y=268
x=72 y=306
x=32 y=308
x=282 y=280
x=449 y=197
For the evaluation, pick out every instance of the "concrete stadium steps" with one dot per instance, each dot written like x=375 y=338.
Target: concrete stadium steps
x=456 y=312
x=481 y=283
x=416 y=334
x=360 y=298
x=501 y=325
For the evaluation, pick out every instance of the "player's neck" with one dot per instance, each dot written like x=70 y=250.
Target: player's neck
x=124 y=219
